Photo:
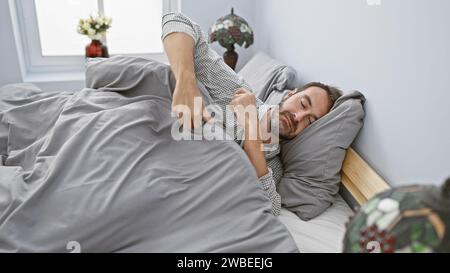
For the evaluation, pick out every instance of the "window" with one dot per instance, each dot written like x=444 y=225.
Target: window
x=47 y=40
x=132 y=32
x=56 y=21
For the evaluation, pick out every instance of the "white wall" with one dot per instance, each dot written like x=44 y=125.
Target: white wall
x=397 y=54
x=9 y=64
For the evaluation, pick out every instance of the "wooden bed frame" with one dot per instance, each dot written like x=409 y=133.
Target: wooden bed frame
x=359 y=179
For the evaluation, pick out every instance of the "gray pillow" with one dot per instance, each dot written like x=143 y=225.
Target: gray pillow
x=276 y=97
x=313 y=160
x=266 y=75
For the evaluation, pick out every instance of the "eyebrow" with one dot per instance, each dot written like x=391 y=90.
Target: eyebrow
x=310 y=104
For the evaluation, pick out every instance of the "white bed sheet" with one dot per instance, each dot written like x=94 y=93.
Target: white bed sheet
x=324 y=233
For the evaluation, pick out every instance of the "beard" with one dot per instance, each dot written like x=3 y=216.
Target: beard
x=285 y=132
x=284 y=129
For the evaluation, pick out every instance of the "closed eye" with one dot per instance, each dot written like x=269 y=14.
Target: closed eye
x=302 y=104
x=310 y=120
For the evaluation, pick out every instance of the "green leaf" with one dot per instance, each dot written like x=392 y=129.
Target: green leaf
x=420 y=248
x=416 y=232
x=431 y=237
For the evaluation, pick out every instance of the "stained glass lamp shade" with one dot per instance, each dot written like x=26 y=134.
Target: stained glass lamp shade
x=228 y=31
x=406 y=219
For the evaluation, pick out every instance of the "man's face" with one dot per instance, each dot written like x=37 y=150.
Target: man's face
x=298 y=110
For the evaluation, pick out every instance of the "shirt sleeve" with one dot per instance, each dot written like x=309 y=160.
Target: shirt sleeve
x=177 y=22
x=219 y=79
x=268 y=185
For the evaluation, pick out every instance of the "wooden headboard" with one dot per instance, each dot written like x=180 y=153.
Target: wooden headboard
x=359 y=179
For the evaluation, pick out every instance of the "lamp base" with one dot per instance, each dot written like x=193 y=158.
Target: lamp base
x=230 y=57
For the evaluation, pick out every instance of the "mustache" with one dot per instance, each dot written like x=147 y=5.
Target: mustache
x=291 y=118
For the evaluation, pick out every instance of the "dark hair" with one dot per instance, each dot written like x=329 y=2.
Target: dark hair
x=333 y=92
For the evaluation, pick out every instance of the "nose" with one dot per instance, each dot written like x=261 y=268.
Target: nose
x=300 y=115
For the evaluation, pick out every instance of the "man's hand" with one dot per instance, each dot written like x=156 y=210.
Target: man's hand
x=188 y=105
x=243 y=97
x=244 y=106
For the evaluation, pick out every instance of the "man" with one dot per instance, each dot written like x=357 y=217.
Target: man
x=192 y=59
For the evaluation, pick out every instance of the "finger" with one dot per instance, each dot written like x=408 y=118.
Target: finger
x=197 y=120
x=196 y=112
x=206 y=115
x=184 y=123
x=178 y=116
x=187 y=124
x=241 y=91
x=183 y=116
x=237 y=109
x=235 y=98
x=232 y=106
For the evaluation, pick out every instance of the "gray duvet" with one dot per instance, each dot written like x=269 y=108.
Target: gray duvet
x=100 y=168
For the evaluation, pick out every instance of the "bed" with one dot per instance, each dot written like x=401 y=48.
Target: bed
x=325 y=233
x=322 y=234
x=74 y=170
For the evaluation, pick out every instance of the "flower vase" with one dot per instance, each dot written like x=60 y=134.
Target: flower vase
x=96 y=49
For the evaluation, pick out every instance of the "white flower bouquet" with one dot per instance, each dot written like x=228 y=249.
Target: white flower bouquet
x=95 y=27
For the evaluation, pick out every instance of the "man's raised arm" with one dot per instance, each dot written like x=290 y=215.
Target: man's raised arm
x=179 y=48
